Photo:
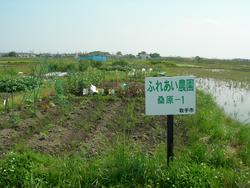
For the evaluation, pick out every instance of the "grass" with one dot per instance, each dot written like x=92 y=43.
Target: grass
x=107 y=141
x=225 y=74
x=203 y=160
x=123 y=166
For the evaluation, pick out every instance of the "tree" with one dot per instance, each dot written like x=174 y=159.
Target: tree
x=119 y=53
x=197 y=58
x=154 y=55
x=12 y=54
x=129 y=56
x=142 y=53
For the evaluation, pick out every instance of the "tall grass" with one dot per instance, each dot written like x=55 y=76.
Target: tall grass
x=123 y=166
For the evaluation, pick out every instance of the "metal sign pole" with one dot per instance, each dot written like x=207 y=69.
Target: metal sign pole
x=170 y=137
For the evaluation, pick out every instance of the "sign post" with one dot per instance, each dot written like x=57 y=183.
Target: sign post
x=170 y=96
x=170 y=137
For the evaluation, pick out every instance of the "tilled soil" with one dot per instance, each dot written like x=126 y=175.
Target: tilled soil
x=90 y=125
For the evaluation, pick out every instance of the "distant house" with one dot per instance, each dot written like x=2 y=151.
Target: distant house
x=26 y=55
x=100 y=58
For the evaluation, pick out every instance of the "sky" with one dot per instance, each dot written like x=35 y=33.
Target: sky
x=206 y=28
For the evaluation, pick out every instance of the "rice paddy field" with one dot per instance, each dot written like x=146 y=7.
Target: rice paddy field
x=57 y=132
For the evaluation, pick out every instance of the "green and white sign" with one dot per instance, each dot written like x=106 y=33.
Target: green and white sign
x=170 y=95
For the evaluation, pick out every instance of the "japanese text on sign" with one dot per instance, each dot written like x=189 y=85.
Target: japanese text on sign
x=170 y=95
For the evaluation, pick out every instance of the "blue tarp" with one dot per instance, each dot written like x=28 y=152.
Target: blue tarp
x=100 y=58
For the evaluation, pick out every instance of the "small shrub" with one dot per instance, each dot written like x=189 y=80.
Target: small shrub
x=244 y=141
x=60 y=92
x=76 y=84
x=120 y=63
x=198 y=153
x=84 y=65
x=62 y=67
x=78 y=81
x=14 y=170
x=219 y=158
x=70 y=67
x=13 y=120
x=96 y=64
x=165 y=63
x=154 y=62
x=52 y=67
x=18 y=84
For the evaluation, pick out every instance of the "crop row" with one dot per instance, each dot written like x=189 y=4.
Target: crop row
x=18 y=84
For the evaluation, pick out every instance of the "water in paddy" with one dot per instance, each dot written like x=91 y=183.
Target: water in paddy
x=233 y=97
